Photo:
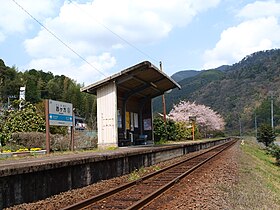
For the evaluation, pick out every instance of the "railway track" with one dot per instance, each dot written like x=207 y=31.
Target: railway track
x=137 y=194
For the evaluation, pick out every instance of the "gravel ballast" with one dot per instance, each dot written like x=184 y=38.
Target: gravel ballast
x=211 y=187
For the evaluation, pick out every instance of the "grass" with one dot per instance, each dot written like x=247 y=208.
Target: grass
x=136 y=174
x=259 y=179
x=111 y=148
x=265 y=165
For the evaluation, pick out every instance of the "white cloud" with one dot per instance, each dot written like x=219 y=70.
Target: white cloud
x=79 y=71
x=260 y=9
x=86 y=26
x=14 y=19
x=259 y=31
x=89 y=28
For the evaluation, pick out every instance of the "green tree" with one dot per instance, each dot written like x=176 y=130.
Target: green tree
x=172 y=130
x=266 y=135
x=32 y=93
x=44 y=79
x=263 y=112
x=159 y=129
x=9 y=83
x=184 y=131
x=275 y=152
x=41 y=85
x=25 y=120
x=54 y=89
x=36 y=82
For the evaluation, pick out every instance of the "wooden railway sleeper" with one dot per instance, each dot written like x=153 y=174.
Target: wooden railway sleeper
x=96 y=198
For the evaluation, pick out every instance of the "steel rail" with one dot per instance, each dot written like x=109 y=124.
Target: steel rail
x=144 y=201
x=141 y=203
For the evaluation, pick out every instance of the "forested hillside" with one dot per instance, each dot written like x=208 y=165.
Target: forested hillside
x=189 y=86
x=41 y=85
x=179 y=76
x=237 y=92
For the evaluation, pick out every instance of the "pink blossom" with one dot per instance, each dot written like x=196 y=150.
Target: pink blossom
x=206 y=118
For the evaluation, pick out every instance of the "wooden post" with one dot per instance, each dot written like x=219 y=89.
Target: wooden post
x=72 y=132
x=193 y=123
x=47 y=126
x=193 y=120
x=163 y=99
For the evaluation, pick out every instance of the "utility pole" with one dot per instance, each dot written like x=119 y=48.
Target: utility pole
x=193 y=136
x=256 y=125
x=240 y=128
x=272 y=120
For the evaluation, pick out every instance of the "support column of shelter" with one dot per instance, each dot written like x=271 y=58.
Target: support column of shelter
x=141 y=121
x=107 y=115
x=152 y=117
x=124 y=118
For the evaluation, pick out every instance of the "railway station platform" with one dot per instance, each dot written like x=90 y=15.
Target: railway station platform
x=32 y=179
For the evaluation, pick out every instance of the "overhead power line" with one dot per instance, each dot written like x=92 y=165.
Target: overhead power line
x=59 y=39
x=114 y=33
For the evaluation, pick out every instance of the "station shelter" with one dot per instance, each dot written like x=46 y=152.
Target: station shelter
x=124 y=104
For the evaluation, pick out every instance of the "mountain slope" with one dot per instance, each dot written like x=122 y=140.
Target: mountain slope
x=179 y=76
x=189 y=87
x=236 y=92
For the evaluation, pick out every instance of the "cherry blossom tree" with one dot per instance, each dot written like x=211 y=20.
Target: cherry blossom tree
x=206 y=119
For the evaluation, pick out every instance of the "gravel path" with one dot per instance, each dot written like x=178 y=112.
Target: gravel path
x=206 y=189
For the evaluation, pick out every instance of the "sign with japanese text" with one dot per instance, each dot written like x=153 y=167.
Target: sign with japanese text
x=22 y=93
x=60 y=113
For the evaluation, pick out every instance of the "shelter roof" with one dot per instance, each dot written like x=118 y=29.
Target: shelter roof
x=141 y=80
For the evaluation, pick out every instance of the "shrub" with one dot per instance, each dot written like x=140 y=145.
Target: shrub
x=159 y=129
x=217 y=134
x=173 y=130
x=164 y=132
x=29 y=139
x=275 y=152
x=171 y=133
x=85 y=140
x=25 y=120
x=37 y=140
x=183 y=131
x=58 y=130
x=266 y=135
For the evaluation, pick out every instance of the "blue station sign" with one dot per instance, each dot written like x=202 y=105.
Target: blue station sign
x=60 y=113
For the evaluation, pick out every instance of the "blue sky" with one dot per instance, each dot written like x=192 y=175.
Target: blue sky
x=110 y=35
